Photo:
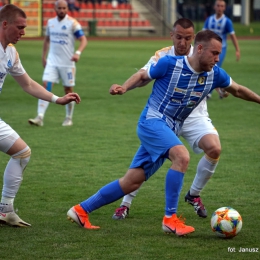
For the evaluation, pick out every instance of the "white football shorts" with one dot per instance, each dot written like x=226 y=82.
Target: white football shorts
x=7 y=136
x=55 y=74
x=194 y=129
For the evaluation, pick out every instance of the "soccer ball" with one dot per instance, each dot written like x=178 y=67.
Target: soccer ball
x=226 y=222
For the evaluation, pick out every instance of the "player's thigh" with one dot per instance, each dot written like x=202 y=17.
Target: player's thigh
x=10 y=141
x=51 y=74
x=157 y=137
x=143 y=159
x=67 y=76
x=194 y=129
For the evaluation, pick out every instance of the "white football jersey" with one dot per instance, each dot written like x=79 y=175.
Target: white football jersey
x=9 y=63
x=62 y=39
x=201 y=109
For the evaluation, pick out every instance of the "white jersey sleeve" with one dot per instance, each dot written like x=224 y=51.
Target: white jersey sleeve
x=9 y=63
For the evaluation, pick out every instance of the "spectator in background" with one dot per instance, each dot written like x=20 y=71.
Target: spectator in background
x=256 y=8
x=180 y=7
x=72 y=5
x=3 y=3
x=222 y=25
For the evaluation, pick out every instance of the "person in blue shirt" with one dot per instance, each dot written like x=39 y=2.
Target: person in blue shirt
x=181 y=83
x=222 y=25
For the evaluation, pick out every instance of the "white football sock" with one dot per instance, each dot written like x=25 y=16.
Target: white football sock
x=13 y=175
x=127 y=199
x=70 y=109
x=205 y=169
x=42 y=107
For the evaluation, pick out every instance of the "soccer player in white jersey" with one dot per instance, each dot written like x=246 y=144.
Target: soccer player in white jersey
x=12 y=28
x=181 y=83
x=197 y=128
x=61 y=32
x=222 y=25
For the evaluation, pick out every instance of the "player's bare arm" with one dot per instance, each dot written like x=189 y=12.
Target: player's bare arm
x=82 y=46
x=45 y=49
x=242 y=92
x=139 y=79
x=235 y=42
x=36 y=90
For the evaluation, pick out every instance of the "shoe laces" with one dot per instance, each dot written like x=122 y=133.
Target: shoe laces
x=121 y=210
x=180 y=221
x=198 y=202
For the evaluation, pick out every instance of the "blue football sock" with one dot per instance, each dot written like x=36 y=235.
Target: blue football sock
x=107 y=194
x=173 y=185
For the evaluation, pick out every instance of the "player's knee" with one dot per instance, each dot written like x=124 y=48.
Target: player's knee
x=214 y=152
x=180 y=158
x=24 y=156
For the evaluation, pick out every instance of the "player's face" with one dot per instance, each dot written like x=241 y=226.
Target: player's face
x=182 y=39
x=61 y=10
x=209 y=55
x=15 y=30
x=220 y=7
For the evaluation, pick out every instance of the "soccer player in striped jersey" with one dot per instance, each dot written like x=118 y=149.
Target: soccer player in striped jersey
x=12 y=28
x=197 y=129
x=181 y=83
x=61 y=32
x=222 y=25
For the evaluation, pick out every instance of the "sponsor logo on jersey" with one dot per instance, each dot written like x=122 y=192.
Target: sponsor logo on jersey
x=196 y=94
x=175 y=100
x=191 y=104
x=61 y=42
x=2 y=75
x=201 y=80
x=179 y=90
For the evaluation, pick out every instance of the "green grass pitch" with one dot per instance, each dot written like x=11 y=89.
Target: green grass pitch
x=68 y=164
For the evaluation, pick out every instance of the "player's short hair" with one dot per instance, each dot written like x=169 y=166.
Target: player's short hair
x=184 y=23
x=206 y=36
x=220 y=1
x=60 y=1
x=10 y=12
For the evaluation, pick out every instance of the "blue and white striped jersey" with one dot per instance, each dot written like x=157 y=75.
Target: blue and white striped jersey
x=222 y=26
x=178 y=89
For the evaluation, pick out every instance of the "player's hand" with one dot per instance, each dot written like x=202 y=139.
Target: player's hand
x=238 y=55
x=116 y=89
x=44 y=62
x=75 y=57
x=68 y=98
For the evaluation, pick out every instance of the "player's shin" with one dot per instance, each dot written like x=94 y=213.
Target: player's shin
x=13 y=175
x=173 y=186
x=205 y=169
x=106 y=195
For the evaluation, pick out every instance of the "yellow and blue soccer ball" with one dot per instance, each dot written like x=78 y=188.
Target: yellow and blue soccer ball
x=226 y=222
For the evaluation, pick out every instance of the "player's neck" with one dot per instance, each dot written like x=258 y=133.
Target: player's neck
x=193 y=61
x=3 y=43
x=218 y=16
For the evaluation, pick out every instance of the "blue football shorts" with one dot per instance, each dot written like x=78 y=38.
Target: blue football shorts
x=156 y=139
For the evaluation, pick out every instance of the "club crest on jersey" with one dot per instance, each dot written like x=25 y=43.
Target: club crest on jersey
x=201 y=80
x=9 y=64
